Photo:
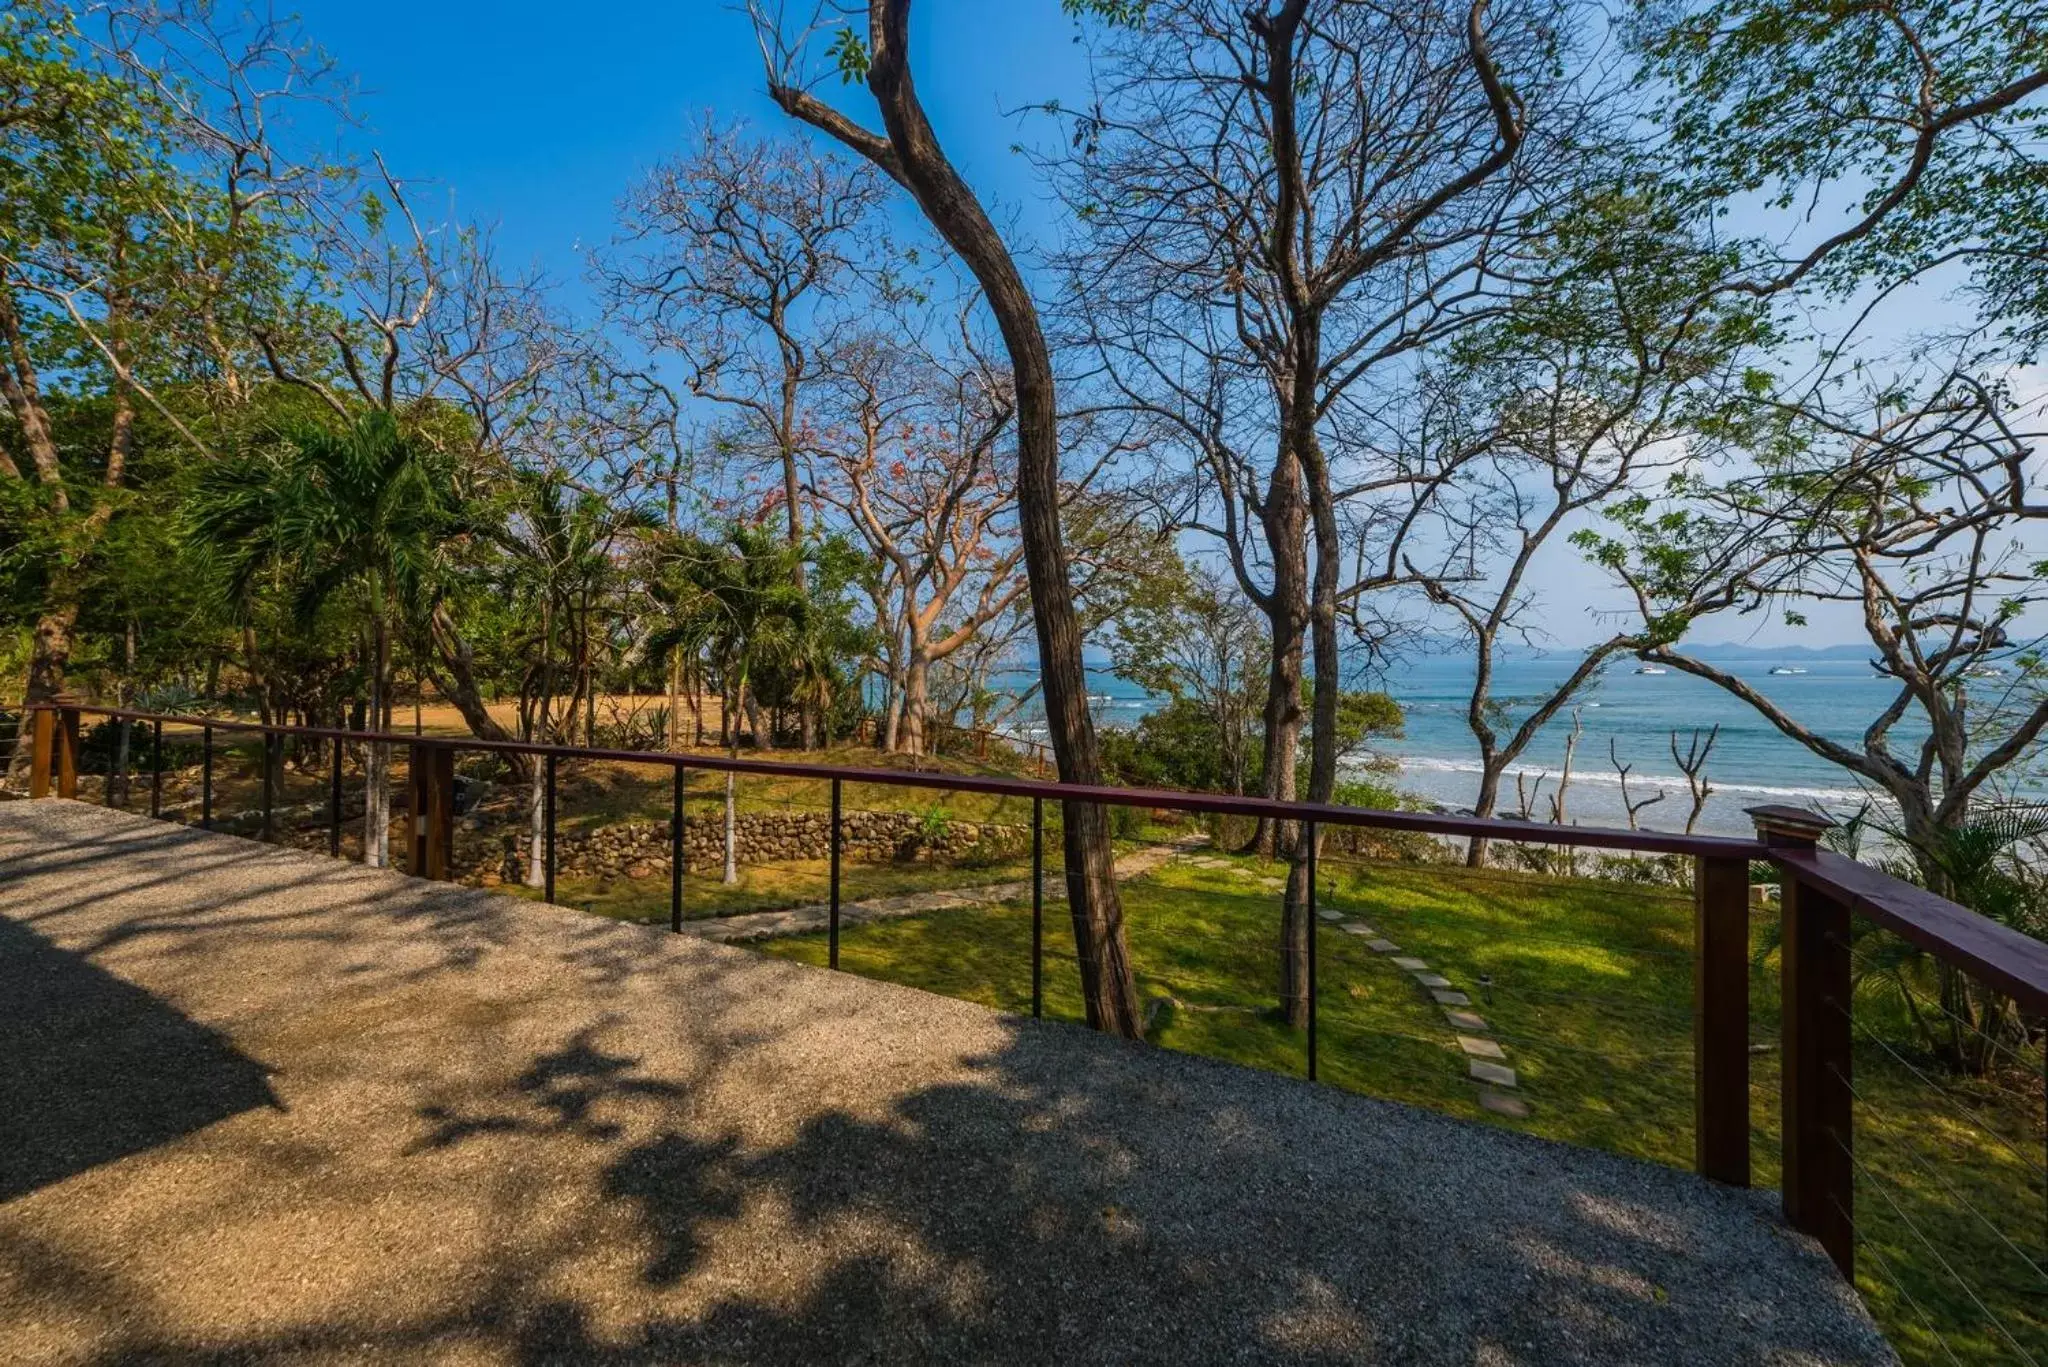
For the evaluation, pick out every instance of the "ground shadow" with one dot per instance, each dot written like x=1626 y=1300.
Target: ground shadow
x=93 y=1068
x=590 y=1143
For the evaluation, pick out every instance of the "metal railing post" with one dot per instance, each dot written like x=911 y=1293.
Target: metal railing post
x=832 y=951
x=334 y=802
x=1037 y=907
x=1720 y=1021
x=269 y=829
x=675 y=855
x=548 y=822
x=156 y=768
x=1309 y=834
x=206 y=778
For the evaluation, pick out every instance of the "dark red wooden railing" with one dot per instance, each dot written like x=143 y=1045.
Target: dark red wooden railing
x=1821 y=891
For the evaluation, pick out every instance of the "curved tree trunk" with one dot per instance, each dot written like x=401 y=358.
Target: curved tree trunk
x=911 y=154
x=913 y=732
x=1490 y=767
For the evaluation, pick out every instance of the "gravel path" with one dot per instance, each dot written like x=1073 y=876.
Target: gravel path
x=256 y=1106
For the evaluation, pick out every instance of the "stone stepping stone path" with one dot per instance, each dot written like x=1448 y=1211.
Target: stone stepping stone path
x=1485 y=1061
x=808 y=920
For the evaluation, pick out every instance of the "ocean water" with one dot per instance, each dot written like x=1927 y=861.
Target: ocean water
x=1752 y=762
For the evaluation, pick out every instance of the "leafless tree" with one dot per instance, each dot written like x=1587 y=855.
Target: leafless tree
x=1284 y=202
x=1693 y=764
x=1581 y=396
x=1633 y=807
x=1564 y=777
x=738 y=260
x=916 y=457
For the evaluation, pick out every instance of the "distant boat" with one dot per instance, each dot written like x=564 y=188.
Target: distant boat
x=1984 y=672
x=1787 y=669
x=1651 y=669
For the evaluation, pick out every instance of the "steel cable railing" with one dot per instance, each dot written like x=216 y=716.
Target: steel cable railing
x=1583 y=1006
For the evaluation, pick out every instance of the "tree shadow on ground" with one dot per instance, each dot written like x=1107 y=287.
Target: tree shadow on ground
x=93 y=1068
x=634 y=1150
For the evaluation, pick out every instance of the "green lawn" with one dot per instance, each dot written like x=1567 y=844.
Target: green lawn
x=768 y=887
x=1590 y=996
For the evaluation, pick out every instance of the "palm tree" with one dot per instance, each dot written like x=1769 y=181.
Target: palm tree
x=741 y=600
x=561 y=572
x=360 y=513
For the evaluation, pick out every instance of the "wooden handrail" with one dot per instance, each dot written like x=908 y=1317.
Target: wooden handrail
x=2013 y=963
x=1413 y=823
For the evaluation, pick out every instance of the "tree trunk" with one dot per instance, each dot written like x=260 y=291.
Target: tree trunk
x=1490 y=766
x=1282 y=739
x=536 y=827
x=913 y=734
x=892 y=719
x=377 y=757
x=732 y=864
x=1287 y=610
x=913 y=156
x=50 y=656
x=672 y=726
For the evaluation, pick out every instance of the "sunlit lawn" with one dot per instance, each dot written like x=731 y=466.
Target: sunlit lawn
x=768 y=887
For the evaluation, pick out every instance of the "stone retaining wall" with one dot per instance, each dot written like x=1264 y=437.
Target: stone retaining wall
x=640 y=849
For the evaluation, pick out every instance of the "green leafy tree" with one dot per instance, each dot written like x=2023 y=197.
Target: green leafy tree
x=750 y=614
x=146 y=217
x=360 y=513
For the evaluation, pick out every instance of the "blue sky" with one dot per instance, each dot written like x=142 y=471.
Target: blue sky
x=533 y=119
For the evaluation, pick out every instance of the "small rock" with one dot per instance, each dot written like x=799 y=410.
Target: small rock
x=1412 y=965
x=1445 y=998
x=1432 y=980
x=1481 y=1048
x=1465 y=1020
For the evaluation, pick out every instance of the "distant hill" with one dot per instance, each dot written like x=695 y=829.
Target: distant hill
x=1713 y=651
x=1743 y=650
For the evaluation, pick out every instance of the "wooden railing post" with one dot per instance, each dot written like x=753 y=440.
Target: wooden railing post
x=1819 y=1132
x=433 y=810
x=1720 y=1024
x=66 y=757
x=42 y=750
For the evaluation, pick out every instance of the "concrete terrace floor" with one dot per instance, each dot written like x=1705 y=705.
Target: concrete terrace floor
x=256 y=1106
